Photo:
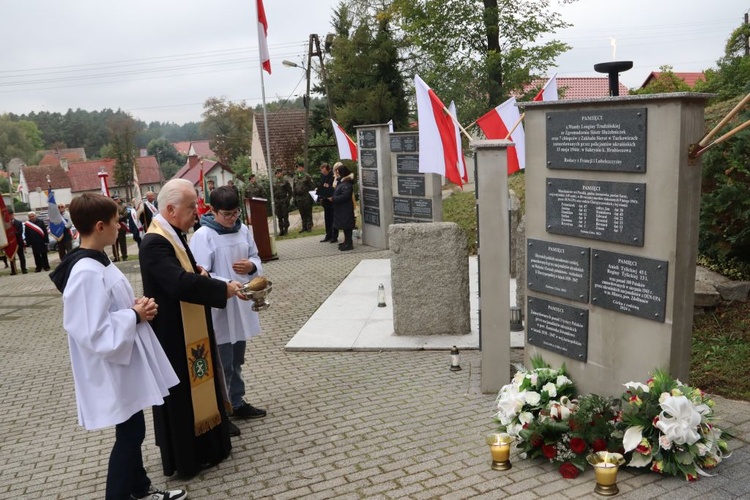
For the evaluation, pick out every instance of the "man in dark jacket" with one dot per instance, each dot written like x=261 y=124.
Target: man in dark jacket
x=325 y=191
x=37 y=238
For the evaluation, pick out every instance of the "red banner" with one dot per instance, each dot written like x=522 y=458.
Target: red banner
x=11 y=245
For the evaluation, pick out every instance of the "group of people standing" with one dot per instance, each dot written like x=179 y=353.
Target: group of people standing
x=335 y=191
x=180 y=348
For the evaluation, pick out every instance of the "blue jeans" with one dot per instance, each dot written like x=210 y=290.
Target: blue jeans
x=232 y=359
x=126 y=475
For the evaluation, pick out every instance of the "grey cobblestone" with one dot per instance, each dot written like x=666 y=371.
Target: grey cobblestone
x=340 y=425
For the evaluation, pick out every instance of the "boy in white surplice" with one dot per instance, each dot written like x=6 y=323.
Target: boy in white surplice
x=225 y=248
x=119 y=367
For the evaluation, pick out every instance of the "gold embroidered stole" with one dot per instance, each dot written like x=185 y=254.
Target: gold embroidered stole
x=206 y=414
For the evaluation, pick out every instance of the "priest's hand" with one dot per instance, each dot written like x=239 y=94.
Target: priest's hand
x=234 y=289
x=202 y=271
x=243 y=267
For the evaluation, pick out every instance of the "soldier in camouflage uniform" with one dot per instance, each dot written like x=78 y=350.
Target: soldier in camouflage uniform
x=303 y=184
x=282 y=196
x=254 y=190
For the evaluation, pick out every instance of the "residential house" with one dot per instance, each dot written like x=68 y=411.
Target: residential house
x=73 y=178
x=286 y=135
x=690 y=78
x=201 y=149
x=214 y=171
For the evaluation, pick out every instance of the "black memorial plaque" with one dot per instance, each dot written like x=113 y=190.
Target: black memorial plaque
x=367 y=139
x=629 y=284
x=412 y=185
x=401 y=207
x=558 y=269
x=407 y=164
x=368 y=158
x=371 y=215
x=396 y=144
x=370 y=198
x=410 y=143
x=597 y=139
x=369 y=178
x=599 y=210
x=421 y=208
x=558 y=328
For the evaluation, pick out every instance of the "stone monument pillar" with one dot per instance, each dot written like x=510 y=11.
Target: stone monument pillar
x=612 y=235
x=429 y=279
x=374 y=184
x=491 y=165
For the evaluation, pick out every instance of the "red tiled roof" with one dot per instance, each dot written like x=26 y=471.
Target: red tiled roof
x=202 y=149
x=286 y=136
x=192 y=170
x=690 y=78
x=54 y=158
x=36 y=177
x=182 y=147
x=83 y=174
x=584 y=87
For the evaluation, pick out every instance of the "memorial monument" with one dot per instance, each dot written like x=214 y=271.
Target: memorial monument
x=612 y=235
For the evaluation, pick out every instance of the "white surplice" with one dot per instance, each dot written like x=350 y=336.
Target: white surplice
x=216 y=253
x=119 y=368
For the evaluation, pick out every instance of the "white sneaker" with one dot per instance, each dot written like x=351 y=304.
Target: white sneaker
x=163 y=495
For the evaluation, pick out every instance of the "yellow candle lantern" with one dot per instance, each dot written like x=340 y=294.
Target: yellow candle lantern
x=606 y=466
x=499 y=443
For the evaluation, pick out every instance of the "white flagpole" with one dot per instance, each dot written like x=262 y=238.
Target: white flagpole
x=269 y=167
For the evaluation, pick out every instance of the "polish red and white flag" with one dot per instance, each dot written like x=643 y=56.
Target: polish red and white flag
x=498 y=123
x=438 y=151
x=459 y=146
x=265 y=57
x=347 y=147
x=549 y=91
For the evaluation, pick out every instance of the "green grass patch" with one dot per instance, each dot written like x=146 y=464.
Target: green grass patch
x=460 y=208
x=721 y=348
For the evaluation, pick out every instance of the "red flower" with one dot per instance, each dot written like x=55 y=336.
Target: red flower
x=578 y=445
x=536 y=440
x=569 y=471
x=599 y=445
x=549 y=451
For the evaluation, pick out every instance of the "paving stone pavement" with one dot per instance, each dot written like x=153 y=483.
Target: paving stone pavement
x=339 y=425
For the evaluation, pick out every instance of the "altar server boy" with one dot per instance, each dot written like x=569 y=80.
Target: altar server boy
x=119 y=367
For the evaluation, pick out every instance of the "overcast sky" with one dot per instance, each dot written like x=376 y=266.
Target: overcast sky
x=160 y=59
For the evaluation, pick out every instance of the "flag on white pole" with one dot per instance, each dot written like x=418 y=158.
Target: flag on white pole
x=549 y=91
x=459 y=146
x=390 y=126
x=497 y=123
x=103 y=178
x=136 y=184
x=438 y=152
x=265 y=57
x=346 y=146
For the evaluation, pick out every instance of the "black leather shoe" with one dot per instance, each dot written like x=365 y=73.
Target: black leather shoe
x=346 y=246
x=325 y=240
x=234 y=431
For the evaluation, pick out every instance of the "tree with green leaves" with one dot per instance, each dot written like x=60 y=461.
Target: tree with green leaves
x=122 y=133
x=666 y=81
x=364 y=75
x=169 y=160
x=18 y=139
x=230 y=125
x=478 y=52
x=732 y=75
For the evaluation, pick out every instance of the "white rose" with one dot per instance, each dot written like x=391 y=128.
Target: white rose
x=533 y=378
x=525 y=417
x=665 y=443
x=562 y=380
x=663 y=397
x=550 y=389
x=532 y=398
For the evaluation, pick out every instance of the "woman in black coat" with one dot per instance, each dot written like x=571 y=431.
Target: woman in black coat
x=343 y=207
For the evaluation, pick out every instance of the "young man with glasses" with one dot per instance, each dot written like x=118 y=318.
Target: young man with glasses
x=225 y=248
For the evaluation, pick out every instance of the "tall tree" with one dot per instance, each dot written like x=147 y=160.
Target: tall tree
x=477 y=52
x=732 y=75
x=230 y=126
x=122 y=132
x=18 y=139
x=364 y=77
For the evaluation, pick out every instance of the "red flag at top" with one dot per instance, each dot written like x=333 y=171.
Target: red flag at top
x=265 y=57
x=437 y=135
x=549 y=91
x=345 y=144
x=497 y=124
